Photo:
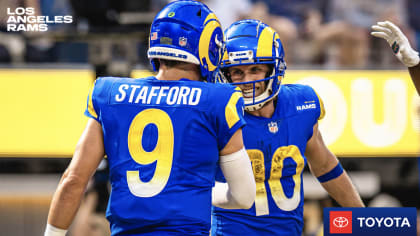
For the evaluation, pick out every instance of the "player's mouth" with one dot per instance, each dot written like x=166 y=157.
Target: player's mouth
x=249 y=93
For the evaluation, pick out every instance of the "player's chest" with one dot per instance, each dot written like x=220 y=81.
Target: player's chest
x=276 y=147
x=270 y=134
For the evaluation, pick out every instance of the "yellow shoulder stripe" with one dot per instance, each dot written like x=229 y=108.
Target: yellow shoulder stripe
x=321 y=106
x=91 y=109
x=231 y=112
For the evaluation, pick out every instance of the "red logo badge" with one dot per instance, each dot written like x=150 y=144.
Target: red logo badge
x=153 y=36
x=272 y=127
x=182 y=41
x=340 y=222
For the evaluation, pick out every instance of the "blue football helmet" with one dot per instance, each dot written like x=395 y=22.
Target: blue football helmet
x=187 y=31
x=250 y=42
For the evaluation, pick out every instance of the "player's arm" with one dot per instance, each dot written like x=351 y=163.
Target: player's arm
x=326 y=167
x=239 y=190
x=415 y=76
x=401 y=47
x=66 y=200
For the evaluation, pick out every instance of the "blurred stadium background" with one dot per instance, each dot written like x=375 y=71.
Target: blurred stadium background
x=373 y=112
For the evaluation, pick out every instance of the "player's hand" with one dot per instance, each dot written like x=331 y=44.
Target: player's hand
x=398 y=42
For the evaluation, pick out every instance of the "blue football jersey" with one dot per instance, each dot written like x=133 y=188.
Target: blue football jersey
x=276 y=147
x=162 y=140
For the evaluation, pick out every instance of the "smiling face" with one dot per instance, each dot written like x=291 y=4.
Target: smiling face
x=249 y=73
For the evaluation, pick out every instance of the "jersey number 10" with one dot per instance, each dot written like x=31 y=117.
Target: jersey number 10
x=277 y=192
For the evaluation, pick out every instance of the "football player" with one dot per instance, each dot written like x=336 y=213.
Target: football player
x=281 y=137
x=163 y=136
x=401 y=47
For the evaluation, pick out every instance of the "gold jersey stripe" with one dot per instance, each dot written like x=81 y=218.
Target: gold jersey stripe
x=321 y=106
x=231 y=112
x=91 y=109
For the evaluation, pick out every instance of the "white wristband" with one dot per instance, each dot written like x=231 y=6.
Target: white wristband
x=54 y=231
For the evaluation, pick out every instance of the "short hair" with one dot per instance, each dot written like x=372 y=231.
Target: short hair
x=168 y=63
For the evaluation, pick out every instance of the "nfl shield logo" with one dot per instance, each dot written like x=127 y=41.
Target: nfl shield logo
x=182 y=41
x=272 y=127
x=153 y=36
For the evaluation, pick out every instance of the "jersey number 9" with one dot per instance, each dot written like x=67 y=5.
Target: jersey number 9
x=162 y=153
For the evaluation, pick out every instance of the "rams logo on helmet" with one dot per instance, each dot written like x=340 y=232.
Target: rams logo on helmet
x=192 y=22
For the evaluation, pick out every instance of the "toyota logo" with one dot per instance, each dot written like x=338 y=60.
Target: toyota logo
x=340 y=222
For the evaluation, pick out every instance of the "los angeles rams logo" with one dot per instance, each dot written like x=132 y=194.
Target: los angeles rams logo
x=212 y=35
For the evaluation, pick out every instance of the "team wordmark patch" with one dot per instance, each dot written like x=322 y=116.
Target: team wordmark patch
x=383 y=221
